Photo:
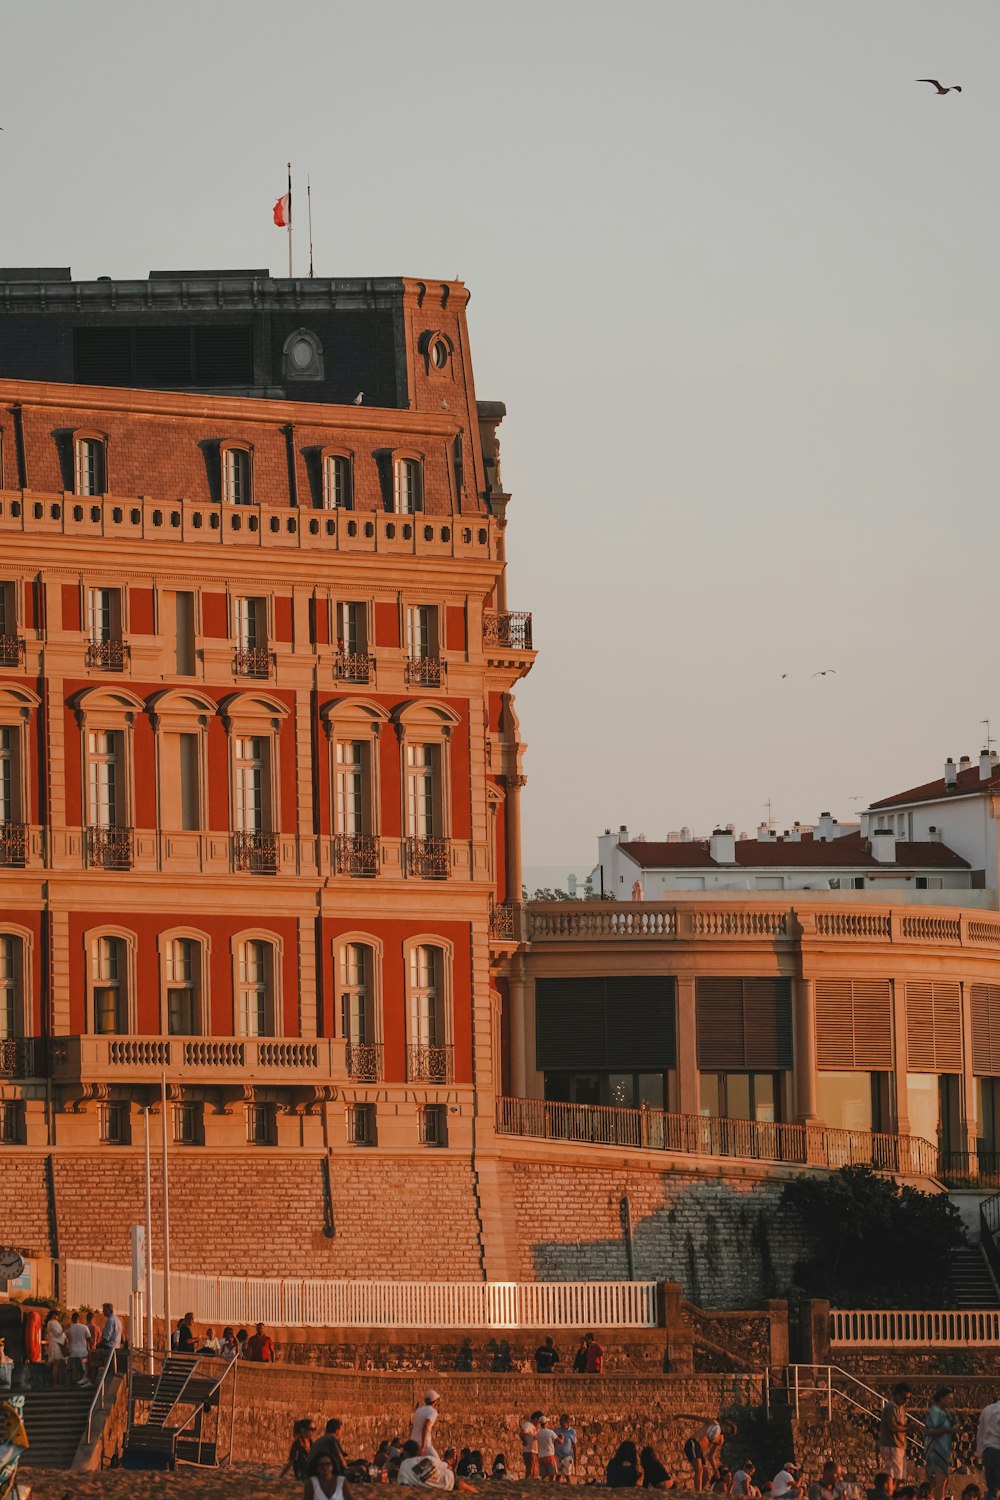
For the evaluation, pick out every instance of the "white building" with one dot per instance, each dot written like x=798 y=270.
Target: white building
x=961 y=810
x=824 y=857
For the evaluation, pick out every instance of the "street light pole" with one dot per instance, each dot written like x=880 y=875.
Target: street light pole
x=150 y=1336
x=166 y=1217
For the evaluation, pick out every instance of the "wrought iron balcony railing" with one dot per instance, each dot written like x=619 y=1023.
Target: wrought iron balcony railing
x=356 y=854
x=503 y=915
x=253 y=661
x=427 y=858
x=14 y=845
x=110 y=656
x=364 y=1061
x=428 y=1064
x=20 y=1057
x=353 y=666
x=510 y=628
x=255 y=852
x=111 y=848
x=425 y=671
x=11 y=650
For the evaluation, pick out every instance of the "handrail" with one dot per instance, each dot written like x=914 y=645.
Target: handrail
x=832 y=1390
x=98 y=1390
x=989 y=1230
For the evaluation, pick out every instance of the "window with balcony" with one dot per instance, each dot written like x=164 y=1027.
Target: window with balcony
x=237 y=476
x=361 y=1126
x=106 y=647
x=424 y=663
x=11 y=644
x=429 y=1051
x=91 y=465
x=262 y=1124
x=255 y=988
x=338 y=482
x=426 y=850
x=189 y=1123
x=11 y=993
x=255 y=844
x=353 y=662
x=253 y=654
x=115 y=1125
x=109 y=986
x=356 y=847
x=359 y=1011
x=408 y=486
x=109 y=838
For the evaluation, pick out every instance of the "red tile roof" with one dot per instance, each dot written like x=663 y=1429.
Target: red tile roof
x=968 y=784
x=850 y=851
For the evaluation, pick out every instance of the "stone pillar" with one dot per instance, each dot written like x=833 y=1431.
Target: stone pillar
x=516 y=985
x=969 y=1104
x=512 y=806
x=777 y=1312
x=805 y=1052
x=900 y=1103
x=688 y=1077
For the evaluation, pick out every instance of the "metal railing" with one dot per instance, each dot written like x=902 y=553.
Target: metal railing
x=363 y=1061
x=883 y=1329
x=255 y=851
x=511 y=629
x=425 y=671
x=111 y=848
x=829 y=1382
x=356 y=854
x=353 y=666
x=11 y=650
x=253 y=661
x=428 y=1064
x=427 y=858
x=989 y=1233
x=98 y=1396
x=503 y=919
x=20 y=1057
x=14 y=845
x=707 y=1135
x=969 y=1168
x=299 y=1303
x=111 y=656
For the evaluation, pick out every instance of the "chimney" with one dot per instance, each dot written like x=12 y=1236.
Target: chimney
x=722 y=846
x=950 y=775
x=826 y=829
x=795 y=837
x=884 y=846
x=964 y=763
x=985 y=765
x=763 y=833
x=685 y=835
x=934 y=834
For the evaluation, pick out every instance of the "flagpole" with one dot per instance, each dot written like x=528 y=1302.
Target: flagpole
x=291 y=273
x=309 y=201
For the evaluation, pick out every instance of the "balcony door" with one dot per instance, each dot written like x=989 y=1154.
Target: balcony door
x=105 y=777
x=251 y=788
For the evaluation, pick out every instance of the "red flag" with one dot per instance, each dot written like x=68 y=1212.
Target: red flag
x=283 y=211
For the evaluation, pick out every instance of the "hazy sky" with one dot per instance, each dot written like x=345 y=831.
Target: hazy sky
x=734 y=273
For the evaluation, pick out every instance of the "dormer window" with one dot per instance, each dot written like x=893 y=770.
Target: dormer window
x=408 y=486
x=91 y=469
x=237 y=476
x=338 y=482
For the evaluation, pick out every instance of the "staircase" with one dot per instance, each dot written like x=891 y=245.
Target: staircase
x=970 y=1280
x=55 y=1421
x=176 y=1372
x=181 y=1414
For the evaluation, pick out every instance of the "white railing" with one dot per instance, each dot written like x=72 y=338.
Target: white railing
x=881 y=1329
x=377 y=1304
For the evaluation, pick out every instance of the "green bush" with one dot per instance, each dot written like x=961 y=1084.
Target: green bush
x=874 y=1243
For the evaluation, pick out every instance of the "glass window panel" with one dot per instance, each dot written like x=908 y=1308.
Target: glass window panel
x=765 y=1101
x=738 y=1096
x=621 y=1090
x=711 y=1094
x=651 y=1090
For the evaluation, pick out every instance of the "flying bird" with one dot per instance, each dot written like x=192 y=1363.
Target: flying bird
x=955 y=88
x=827 y=672
x=359 y=398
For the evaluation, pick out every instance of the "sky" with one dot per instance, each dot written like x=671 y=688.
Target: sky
x=734 y=273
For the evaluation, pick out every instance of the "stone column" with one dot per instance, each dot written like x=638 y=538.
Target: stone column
x=516 y=985
x=512 y=805
x=688 y=1077
x=805 y=1052
x=900 y=1103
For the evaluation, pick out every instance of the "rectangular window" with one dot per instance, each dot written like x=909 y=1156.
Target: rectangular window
x=104 y=615
x=252 y=800
x=603 y=1024
x=10 y=1007
x=115 y=1123
x=251 y=623
x=408 y=489
x=109 y=987
x=183 y=975
x=426 y=997
x=422 y=784
x=8 y=608
x=743 y=1024
x=91 y=478
x=11 y=1122
x=352 y=785
x=237 y=486
x=105 y=781
x=422 y=632
x=184 y=659
x=189 y=1127
x=255 y=989
x=337 y=487
x=352 y=627
x=180 y=782
x=361 y=1124
x=355 y=1017
x=10 y=774
x=854 y=1024
x=262 y=1125
x=433 y=1125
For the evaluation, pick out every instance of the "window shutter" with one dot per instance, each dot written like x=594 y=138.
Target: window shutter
x=854 y=1024
x=767 y=1023
x=985 y=1009
x=606 y=1024
x=719 y=1010
x=933 y=1027
x=744 y=1024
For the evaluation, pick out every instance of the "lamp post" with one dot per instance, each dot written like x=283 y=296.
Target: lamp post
x=166 y=1218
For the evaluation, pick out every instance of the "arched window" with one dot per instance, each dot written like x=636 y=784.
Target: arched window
x=184 y=972
x=408 y=485
x=237 y=476
x=257 y=966
x=90 y=464
x=428 y=980
x=353 y=727
x=338 y=482
x=359 y=963
x=11 y=1003
x=110 y=985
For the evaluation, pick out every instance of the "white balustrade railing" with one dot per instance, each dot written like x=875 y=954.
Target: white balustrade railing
x=294 y=1303
x=879 y=1328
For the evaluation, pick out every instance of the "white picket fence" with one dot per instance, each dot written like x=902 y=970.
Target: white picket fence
x=376 y=1304
x=882 y=1329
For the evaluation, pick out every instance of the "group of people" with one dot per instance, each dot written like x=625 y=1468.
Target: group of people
x=257 y=1347
x=588 y=1359
x=74 y=1355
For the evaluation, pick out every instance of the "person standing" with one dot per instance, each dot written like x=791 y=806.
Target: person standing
x=259 y=1349
x=545 y=1441
x=988 y=1447
x=892 y=1432
x=185 y=1334
x=595 y=1356
x=77 y=1349
x=939 y=1431
x=546 y=1356
x=565 y=1449
x=422 y=1431
x=580 y=1357
x=55 y=1350
x=6 y=1367
x=529 y=1444
x=109 y=1341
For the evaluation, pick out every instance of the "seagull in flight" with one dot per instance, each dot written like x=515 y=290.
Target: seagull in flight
x=953 y=88
x=827 y=672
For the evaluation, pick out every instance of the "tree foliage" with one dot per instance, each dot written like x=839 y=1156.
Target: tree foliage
x=873 y=1243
